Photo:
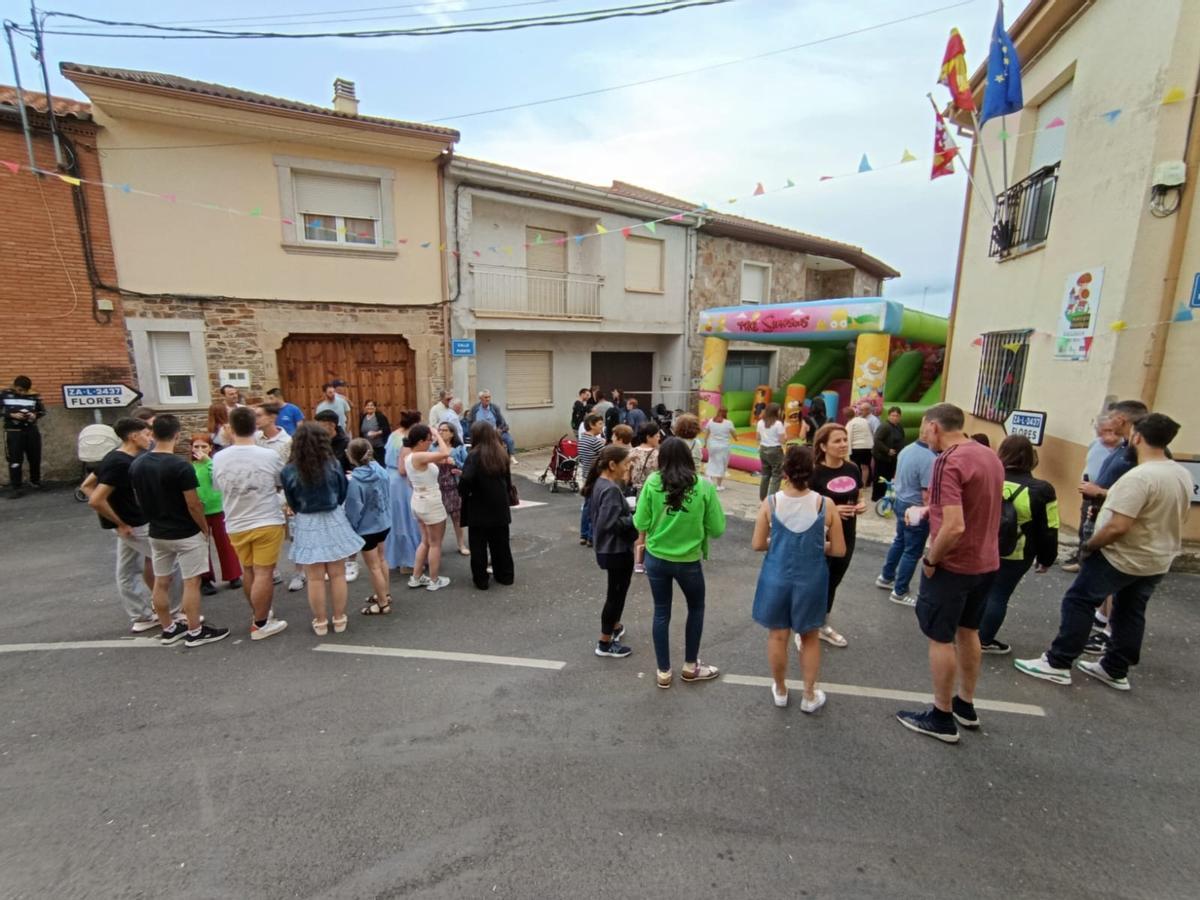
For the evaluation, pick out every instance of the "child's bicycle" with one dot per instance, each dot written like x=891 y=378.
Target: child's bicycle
x=885 y=506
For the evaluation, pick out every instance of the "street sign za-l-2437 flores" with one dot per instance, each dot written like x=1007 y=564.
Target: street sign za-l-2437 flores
x=99 y=396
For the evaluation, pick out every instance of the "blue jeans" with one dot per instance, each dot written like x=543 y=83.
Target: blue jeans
x=1097 y=579
x=905 y=551
x=585 y=520
x=662 y=574
x=508 y=442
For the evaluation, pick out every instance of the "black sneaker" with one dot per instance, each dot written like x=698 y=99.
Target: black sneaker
x=964 y=713
x=930 y=723
x=613 y=648
x=207 y=588
x=997 y=647
x=207 y=635
x=1097 y=644
x=173 y=635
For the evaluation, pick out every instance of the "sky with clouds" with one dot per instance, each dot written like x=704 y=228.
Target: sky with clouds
x=707 y=136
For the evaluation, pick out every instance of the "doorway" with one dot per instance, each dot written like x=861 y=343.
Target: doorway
x=379 y=368
x=633 y=373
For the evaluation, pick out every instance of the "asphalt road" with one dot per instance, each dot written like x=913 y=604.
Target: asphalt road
x=275 y=770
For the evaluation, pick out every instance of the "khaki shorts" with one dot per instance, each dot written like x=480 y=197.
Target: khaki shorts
x=259 y=546
x=190 y=555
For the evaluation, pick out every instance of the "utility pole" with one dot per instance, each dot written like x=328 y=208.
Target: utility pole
x=12 y=50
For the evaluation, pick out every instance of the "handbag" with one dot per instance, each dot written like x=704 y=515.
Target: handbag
x=514 y=499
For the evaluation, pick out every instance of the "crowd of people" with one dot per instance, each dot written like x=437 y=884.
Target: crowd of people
x=265 y=484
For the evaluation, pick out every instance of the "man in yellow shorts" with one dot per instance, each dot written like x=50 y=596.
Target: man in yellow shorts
x=247 y=477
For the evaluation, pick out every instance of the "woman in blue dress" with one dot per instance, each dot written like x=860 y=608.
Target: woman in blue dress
x=798 y=528
x=400 y=548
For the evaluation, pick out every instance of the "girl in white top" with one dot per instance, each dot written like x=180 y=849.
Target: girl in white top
x=862 y=439
x=422 y=465
x=718 y=437
x=771 y=433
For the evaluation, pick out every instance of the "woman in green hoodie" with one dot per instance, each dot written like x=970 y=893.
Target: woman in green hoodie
x=214 y=513
x=678 y=512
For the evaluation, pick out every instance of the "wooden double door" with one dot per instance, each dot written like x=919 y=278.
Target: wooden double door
x=375 y=367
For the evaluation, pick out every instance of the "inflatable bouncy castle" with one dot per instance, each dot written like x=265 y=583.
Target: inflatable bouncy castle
x=859 y=348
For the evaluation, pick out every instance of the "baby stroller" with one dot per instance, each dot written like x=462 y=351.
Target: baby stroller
x=562 y=466
x=92 y=445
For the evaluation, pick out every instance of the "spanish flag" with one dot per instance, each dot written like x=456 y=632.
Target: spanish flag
x=954 y=72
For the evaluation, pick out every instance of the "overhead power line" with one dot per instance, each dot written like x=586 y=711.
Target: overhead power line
x=163 y=32
x=731 y=62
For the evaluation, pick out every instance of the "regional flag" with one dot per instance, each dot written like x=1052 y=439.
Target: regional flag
x=1002 y=94
x=944 y=149
x=954 y=72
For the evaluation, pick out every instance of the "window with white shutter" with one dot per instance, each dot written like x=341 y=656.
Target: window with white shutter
x=336 y=209
x=174 y=366
x=644 y=265
x=756 y=282
x=529 y=378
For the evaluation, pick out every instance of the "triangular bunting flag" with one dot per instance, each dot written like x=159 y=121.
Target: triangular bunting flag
x=256 y=212
x=401 y=240
x=1012 y=347
x=579 y=239
x=560 y=241
x=864 y=165
x=825 y=178
x=11 y=166
x=341 y=229
x=1119 y=325
x=758 y=190
x=790 y=184
x=386 y=242
x=678 y=217
x=477 y=253
x=1056 y=122
x=626 y=232
x=731 y=200
x=1112 y=115
x=441 y=248
x=69 y=179
x=1184 y=315
x=456 y=254
x=125 y=189
x=908 y=156
x=426 y=245
x=508 y=251
x=650 y=227
x=1003 y=135
x=1174 y=95
x=600 y=229
x=537 y=237
x=170 y=198
x=287 y=221
x=978 y=342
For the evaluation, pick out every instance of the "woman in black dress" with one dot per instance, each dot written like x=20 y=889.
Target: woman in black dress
x=485 y=486
x=840 y=480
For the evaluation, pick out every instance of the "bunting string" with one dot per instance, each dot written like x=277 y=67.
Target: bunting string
x=1173 y=95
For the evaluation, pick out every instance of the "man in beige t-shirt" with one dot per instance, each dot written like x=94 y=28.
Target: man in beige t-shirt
x=1138 y=535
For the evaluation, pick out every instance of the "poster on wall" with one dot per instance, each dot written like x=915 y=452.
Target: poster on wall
x=1077 y=319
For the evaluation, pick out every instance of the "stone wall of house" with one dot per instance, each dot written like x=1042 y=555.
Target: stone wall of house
x=245 y=334
x=718 y=283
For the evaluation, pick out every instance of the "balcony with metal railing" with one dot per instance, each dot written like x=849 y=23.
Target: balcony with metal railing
x=1023 y=213
x=513 y=292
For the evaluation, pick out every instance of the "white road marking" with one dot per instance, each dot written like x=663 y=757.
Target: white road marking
x=444 y=655
x=119 y=644
x=526 y=504
x=855 y=690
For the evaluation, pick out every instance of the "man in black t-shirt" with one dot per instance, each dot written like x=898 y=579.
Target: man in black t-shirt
x=110 y=494
x=165 y=485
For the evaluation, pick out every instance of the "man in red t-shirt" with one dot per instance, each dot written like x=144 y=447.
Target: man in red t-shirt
x=965 y=492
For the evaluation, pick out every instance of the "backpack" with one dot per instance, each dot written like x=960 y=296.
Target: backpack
x=94 y=443
x=1010 y=525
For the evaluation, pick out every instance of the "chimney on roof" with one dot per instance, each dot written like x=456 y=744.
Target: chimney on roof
x=344 y=99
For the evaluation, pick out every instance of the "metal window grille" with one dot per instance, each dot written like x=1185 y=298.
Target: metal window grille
x=1001 y=374
x=1023 y=213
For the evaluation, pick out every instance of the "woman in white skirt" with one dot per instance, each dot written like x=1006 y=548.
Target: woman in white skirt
x=322 y=538
x=719 y=435
x=427 y=506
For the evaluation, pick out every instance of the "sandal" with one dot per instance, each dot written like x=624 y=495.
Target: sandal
x=374 y=608
x=320 y=627
x=829 y=636
x=339 y=624
x=699 y=672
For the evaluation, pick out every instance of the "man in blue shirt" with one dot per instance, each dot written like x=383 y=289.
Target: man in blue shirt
x=290 y=415
x=911 y=482
x=486 y=411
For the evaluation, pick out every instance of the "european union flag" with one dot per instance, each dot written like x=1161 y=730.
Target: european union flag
x=1002 y=94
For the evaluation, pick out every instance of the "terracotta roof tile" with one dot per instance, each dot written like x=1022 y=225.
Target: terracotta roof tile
x=220 y=91
x=35 y=102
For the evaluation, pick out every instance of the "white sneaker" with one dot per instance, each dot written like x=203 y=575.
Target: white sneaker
x=441 y=582
x=780 y=699
x=1041 y=668
x=883 y=584
x=273 y=627
x=903 y=600
x=351 y=570
x=1097 y=671
x=811 y=706
x=138 y=626
x=297 y=582
x=421 y=582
